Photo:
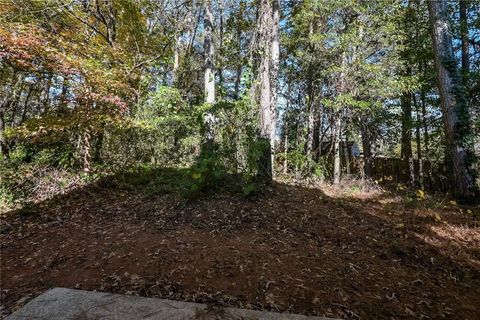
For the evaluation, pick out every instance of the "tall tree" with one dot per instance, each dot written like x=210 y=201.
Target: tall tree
x=452 y=100
x=464 y=38
x=275 y=65
x=209 y=52
x=269 y=51
x=3 y=143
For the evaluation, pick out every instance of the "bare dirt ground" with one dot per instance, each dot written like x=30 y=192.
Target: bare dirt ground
x=291 y=249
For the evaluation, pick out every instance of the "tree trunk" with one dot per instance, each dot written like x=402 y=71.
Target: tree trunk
x=285 y=150
x=176 y=61
x=16 y=97
x=406 y=150
x=62 y=106
x=426 y=136
x=336 y=150
x=209 y=83
x=337 y=164
x=464 y=38
x=3 y=143
x=238 y=76
x=418 y=140
x=367 y=146
x=310 y=107
x=25 y=104
x=267 y=74
x=311 y=124
x=220 y=47
x=266 y=117
x=87 y=147
x=275 y=68
x=45 y=95
x=209 y=52
x=452 y=100
x=346 y=151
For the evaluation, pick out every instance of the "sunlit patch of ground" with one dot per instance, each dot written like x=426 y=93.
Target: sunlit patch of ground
x=462 y=243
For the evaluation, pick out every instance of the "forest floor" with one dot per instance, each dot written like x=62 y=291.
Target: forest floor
x=356 y=255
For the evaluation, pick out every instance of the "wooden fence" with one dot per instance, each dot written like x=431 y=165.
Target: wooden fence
x=430 y=176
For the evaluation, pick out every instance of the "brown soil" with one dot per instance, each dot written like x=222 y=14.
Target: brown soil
x=292 y=249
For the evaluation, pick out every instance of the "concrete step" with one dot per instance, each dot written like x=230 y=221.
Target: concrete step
x=63 y=304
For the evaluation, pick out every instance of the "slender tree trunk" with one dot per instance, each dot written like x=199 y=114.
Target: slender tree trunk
x=367 y=146
x=268 y=41
x=275 y=68
x=298 y=141
x=464 y=38
x=238 y=76
x=176 y=61
x=452 y=100
x=418 y=140
x=285 y=150
x=336 y=150
x=337 y=164
x=346 y=149
x=87 y=147
x=25 y=104
x=16 y=97
x=311 y=123
x=62 y=105
x=45 y=95
x=321 y=132
x=220 y=47
x=209 y=53
x=3 y=143
x=406 y=150
x=209 y=83
x=426 y=138
x=311 y=107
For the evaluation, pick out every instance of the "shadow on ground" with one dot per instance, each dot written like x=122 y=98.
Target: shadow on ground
x=288 y=248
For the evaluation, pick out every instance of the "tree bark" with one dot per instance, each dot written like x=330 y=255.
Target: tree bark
x=426 y=137
x=268 y=41
x=87 y=147
x=346 y=149
x=62 y=105
x=3 y=143
x=367 y=146
x=452 y=101
x=285 y=150
x=406 y=145
x=176 y=61
x=209 y=53
x=311 y=107
x=220 y=47
x=25 y=104
x=464 y=38
x=45 y=95
x=311 y=121
x=209 y=79
x=418 y=140
x=238 y=76
x=275 y=68
x=336 y=150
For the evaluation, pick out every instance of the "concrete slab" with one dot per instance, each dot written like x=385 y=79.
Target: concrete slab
x=63 y=304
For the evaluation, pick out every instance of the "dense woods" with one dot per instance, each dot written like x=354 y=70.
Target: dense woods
x=310 y=89
x=319 y=157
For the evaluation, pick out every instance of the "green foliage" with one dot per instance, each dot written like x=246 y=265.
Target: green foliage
x=235 y=151
x=168 y=129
